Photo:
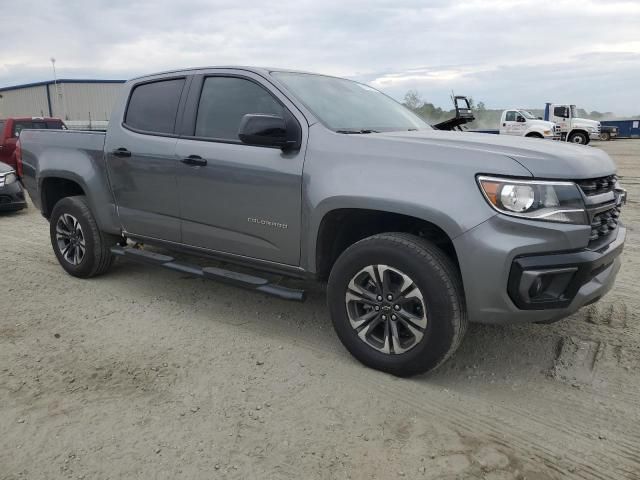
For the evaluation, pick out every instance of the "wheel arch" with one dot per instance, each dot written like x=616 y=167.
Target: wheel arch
x=55 y=187
x=341 y=227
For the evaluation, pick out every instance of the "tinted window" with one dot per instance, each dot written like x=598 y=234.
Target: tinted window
x=225 y=100
x=1 y=126
x=56 y=125
x=153 y=107
x=511 y=117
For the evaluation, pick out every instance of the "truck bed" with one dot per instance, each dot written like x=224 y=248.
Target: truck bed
x=81 y=152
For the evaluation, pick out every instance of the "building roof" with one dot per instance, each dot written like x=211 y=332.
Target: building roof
x=61 y=80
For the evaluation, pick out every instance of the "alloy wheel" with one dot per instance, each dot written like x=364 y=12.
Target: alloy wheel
x=386 y=309
x=70 y=239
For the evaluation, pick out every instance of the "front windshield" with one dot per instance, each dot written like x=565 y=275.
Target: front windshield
x=528 y=115
x=349 y=107
x=574 y=114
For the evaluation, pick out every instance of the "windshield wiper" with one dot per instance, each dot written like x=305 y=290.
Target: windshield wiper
x=351 y=132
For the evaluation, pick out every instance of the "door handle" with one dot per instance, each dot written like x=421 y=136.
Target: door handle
x=121 y=152
x=194 y=160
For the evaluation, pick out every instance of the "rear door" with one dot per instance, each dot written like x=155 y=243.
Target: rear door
x=246 y=200
x=140 y=155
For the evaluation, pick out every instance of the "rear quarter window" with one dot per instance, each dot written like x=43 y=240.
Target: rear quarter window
x=153 y=106
x=56 y=126
x=21 y=125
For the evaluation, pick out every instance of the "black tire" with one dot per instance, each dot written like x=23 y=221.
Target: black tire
x=438 y=281
x=579 y=138
x=605 y=136
x=533 y=135
x=97 y=257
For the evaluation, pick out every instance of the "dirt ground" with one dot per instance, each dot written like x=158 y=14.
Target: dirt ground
x=143 y=373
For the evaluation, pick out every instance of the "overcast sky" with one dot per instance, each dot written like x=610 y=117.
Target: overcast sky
x=503 y=52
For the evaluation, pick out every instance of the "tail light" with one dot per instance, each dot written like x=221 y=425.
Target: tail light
x=18 y=154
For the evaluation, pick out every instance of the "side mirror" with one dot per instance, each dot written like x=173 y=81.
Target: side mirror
x=520 y=119
x=263 y=130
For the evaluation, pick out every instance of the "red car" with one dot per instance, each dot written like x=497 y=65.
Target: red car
x=10 y=129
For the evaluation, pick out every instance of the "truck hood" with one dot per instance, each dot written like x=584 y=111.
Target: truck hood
x=542 y=124
x=584 y=122
x=543 y=158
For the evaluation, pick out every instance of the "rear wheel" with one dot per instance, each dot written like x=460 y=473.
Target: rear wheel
x=580 y=138
x=605 y=136
x=81 y=248
x=397 y=303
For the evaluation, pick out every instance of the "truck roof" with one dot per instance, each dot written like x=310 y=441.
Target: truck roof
x=258 y=70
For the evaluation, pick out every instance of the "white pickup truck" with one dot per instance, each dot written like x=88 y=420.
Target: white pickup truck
x=516 y=121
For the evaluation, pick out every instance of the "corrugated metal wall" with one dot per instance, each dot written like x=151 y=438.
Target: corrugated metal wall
x=24 y=102
x=84 y=101
x=72 y=101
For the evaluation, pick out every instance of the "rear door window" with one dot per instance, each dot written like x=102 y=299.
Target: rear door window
x=153 y=107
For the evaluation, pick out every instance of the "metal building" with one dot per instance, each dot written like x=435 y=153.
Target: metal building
x=75 y=101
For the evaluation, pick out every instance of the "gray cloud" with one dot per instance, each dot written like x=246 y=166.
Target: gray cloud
x=503 y=52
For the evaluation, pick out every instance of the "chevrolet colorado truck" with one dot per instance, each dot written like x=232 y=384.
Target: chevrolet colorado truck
x=416 y=231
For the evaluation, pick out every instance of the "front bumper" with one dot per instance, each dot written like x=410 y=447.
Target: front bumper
x=594 y=135
x=12 y=197
x=524 y=271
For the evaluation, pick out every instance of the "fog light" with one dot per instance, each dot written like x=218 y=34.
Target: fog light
x=536 y=287
x=546 y=285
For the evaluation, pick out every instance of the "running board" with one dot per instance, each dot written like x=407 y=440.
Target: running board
x=212 y=273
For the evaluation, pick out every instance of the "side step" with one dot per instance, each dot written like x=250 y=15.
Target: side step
x=212 y=273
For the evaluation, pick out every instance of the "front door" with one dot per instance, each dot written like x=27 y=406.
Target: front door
x=236 y=198
x=510 y=124
x=140 y=155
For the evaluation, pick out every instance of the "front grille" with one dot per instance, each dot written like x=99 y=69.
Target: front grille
x=596 y=186
x=5 y=199
x=604 y=223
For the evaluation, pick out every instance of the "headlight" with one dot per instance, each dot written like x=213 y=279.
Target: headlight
x=535 y=199
x=8 y=179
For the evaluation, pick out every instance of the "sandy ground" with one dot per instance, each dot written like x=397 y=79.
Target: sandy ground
x=144 y=373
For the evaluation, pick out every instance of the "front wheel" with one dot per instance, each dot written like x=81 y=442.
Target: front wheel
x=397 y=303
x=81 y=248
x=605 y=136
x=579 y=138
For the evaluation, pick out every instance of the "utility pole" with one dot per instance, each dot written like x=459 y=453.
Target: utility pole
x=58 y=92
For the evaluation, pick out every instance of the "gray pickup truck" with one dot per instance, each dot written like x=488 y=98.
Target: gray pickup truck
x=416 y=231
